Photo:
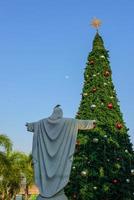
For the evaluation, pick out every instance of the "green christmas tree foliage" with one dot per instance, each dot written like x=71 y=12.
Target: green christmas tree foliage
x=103 y=167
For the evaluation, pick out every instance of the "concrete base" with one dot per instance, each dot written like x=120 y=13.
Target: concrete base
x=59 y=196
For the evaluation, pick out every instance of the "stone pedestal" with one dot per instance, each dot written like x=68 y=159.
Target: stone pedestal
x=59 y=196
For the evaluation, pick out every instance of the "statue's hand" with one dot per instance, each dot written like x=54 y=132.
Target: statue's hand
x=26 y=124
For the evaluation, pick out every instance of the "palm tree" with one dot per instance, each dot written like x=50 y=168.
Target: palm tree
x=12 y=166
x=6 y=143
x=22 y=163
x=5 y=148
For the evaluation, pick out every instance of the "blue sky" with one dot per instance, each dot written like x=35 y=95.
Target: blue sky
x=43 y=51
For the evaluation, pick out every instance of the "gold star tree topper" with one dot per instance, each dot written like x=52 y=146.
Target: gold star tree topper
x=96 y=23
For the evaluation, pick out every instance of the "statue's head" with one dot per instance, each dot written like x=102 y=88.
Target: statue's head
x=57 y=113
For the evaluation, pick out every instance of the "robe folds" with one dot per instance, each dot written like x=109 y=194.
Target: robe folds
x=53 y=147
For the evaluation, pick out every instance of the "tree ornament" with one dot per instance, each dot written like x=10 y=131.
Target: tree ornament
x=102 y=56
x=95 y=140
x=119 y=126
x=110 y=105
x=126 y=151
x=105 y=84
x=95 y=188
x=93 y=106
x=85 y=94
x=94 y=90
x=105 y=136
x=107 y=73
x=114 y=181
x=128 y=180
x=132 y=171
x=74 y=196
x=78 y=142
x=91 y=62
x=118 y=158
x=74 y=167
x=84 y=173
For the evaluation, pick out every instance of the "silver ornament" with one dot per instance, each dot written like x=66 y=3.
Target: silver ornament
x=95 y=188
x=126 y=151
x=132 y=171
x=95 y=140
x=93 y=106
x=128 y=180
x=105 y=136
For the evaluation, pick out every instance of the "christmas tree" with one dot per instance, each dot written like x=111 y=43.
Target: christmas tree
x=103 y=167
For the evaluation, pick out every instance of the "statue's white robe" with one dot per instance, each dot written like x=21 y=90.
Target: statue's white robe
x=53 y=148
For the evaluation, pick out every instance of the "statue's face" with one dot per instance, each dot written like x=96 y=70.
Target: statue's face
x=57 y=113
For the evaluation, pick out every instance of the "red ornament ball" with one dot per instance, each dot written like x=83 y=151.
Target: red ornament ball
x=114 y=181
x=119 y=126
x=94 y=90
x=78 y=142
x=110 y=105
x=107 y=73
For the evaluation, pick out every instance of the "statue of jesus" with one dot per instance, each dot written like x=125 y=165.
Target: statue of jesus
x=53 y=148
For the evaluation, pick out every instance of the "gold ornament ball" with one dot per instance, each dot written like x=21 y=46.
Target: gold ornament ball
x=84 y=173
x=105 y=83
x=102 y=56
x=85 y=94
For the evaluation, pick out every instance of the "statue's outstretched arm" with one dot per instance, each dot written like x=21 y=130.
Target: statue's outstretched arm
x=86 y=124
